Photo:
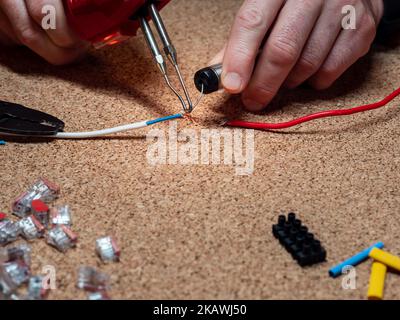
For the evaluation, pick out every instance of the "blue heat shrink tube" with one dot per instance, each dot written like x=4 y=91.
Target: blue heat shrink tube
x=354 y=260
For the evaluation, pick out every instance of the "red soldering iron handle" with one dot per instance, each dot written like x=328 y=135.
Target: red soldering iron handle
x=105 y=22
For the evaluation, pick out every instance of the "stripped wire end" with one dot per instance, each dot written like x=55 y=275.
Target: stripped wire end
x=189 y=117
x=224 y=123
x=199 y=99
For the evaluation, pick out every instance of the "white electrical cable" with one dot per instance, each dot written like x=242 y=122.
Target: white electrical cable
x=132 y=126
x=100 y=133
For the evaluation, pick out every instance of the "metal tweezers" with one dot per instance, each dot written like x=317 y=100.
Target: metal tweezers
x=169 y=50
x=16 y=119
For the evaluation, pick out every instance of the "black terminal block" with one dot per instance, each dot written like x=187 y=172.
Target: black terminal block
x=298 y=241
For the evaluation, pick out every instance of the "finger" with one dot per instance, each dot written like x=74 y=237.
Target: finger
x=6 y=28
x=349 y=47
x=218 y=58
x=62 y=35
x=376 y=8
x=5 y=40
x=320 y=43
x=281 y=52
x=30 y=35
x=251 y=24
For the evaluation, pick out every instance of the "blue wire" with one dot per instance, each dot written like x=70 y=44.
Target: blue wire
x=173 y=117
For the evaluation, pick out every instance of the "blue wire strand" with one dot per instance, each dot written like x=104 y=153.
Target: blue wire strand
x=173 y=117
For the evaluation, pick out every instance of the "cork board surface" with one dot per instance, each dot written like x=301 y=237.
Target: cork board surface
x=201 y=231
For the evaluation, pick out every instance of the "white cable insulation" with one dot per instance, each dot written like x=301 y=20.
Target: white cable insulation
x=99 y=133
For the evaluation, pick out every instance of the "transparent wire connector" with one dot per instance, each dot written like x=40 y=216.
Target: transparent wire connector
x=18 y=272
x=21 y=252
x=47 y=190
x=22 y=205
x=7 y=285
x=98 y=296
x=41 y=212
x=89 y=279
x=107 y=249
x=31 y=228
x=36 y=289
x=42 y=189
x=62 y=238
x=9 y=231
x=15 y=297
x=61 y=215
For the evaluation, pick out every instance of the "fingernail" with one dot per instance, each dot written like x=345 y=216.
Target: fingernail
x=232 y=82
x=253 y=105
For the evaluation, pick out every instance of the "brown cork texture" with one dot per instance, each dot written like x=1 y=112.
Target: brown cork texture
x=201 y=231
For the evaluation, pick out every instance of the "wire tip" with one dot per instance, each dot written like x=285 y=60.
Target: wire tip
x=224 y=123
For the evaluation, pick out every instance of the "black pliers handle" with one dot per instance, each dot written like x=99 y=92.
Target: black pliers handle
x=16 y=119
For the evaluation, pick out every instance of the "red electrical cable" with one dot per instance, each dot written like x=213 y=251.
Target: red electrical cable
x=323 y=114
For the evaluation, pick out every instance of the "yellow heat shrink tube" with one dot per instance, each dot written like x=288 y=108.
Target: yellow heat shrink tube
x=377 y=281
x=386 y=258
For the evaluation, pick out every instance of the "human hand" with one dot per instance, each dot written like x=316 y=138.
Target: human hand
x=21 y=23
x=305 y=42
